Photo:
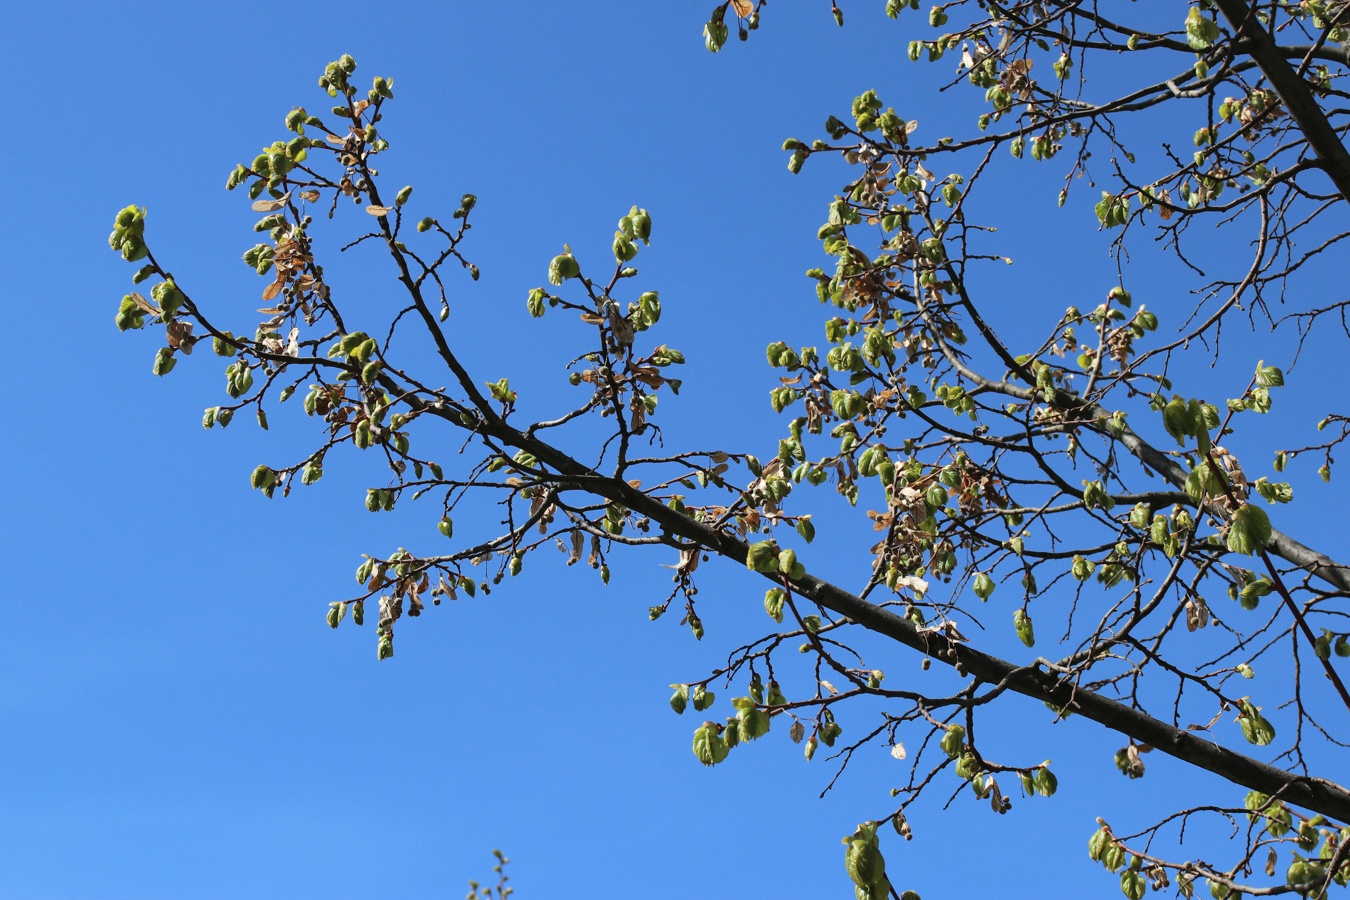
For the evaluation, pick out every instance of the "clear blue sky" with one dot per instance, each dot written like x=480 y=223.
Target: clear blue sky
x=178 y=721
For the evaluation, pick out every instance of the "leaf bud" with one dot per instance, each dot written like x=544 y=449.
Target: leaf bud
x=952 y=741
x=865 y=864
x=1022 y=623
x=1177 y=420
x=642 y=225
x=624 y=249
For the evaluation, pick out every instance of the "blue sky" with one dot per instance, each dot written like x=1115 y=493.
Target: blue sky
x=179 y=721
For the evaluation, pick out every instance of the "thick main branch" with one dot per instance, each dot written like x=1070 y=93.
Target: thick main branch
x=1293 y=90
x=1314 y=794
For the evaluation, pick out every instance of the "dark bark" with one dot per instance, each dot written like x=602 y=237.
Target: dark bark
x=1294 y=91
x=1034 y=681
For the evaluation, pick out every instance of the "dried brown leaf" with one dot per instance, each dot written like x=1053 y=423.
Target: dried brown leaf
x=144 y=304
x=176 y=332
x=267 y=206
x=743 y=8
x=271 y=291
x=619 y=324
x=379 y=210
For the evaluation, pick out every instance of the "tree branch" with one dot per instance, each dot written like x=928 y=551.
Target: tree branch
x=1293 y=90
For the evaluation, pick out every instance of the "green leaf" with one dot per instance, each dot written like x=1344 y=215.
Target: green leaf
x=1255 y=727
x=164 y=362
x=1098 y=843
x=865 y=865
x=952 y=741
x=754 y=723
x=1204 y=481
x=709 y=746
x=1269 y=376
x=715 y=35
x=1045 y=782
x=762 y=557
x=773 y=603
x=1201 y=31
x=1249 y=531
x=562 y=268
